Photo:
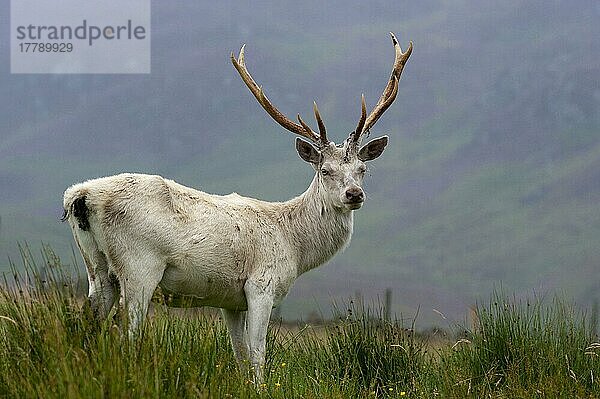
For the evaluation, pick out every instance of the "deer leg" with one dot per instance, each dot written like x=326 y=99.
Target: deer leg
x=236 y=324
x=260 y=303
x=103 y=292
x=102 y=286
x=137 y=288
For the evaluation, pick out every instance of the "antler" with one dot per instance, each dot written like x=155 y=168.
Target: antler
x=388 y=96
x=301 y=129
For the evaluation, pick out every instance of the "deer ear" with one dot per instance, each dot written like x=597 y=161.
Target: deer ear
x=372 y=149
x=307 y=151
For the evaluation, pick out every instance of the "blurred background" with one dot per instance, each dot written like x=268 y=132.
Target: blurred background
x=491 y=179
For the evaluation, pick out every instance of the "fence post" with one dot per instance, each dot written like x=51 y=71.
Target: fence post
x=358 y=302
x=387 y=309
x=594 y=318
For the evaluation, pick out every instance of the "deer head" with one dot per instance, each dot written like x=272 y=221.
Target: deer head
x=339 y=168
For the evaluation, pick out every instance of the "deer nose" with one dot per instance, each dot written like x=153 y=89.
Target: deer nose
x=355 y=194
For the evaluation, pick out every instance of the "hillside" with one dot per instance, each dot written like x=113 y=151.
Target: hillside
x=492 y=174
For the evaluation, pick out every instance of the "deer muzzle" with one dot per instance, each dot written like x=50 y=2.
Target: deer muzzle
x=354 y=197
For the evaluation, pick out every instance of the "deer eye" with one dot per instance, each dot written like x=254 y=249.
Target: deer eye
x=325 y=172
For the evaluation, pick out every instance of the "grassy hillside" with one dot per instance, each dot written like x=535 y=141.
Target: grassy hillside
x=50 y=347
x=491 y=177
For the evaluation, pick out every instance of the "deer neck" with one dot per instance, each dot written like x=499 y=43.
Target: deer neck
x=315 y=228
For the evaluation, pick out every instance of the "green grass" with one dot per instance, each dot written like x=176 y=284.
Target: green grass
x=529 y=349
x=51 y=347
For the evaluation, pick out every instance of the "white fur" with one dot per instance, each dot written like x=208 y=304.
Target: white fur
x=232 y=252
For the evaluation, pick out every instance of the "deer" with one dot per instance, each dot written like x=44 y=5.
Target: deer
x=137 y=232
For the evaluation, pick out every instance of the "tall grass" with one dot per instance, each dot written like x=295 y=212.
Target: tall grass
x=51 y=347
x=523 y=346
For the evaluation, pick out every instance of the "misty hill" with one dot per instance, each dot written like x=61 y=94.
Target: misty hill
x=492 y=176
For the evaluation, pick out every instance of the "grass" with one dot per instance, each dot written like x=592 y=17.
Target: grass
x=51 y=347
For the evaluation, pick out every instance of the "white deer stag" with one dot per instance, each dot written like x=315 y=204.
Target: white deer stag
x=137 y=232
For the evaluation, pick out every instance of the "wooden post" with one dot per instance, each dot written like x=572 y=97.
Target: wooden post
x=387 y=309
x=594 y=318
x=358 y=302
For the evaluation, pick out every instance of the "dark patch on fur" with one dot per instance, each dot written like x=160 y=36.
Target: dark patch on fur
x=81 y=213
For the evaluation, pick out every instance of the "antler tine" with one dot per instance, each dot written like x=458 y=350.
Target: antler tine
x=389 y=93
x=301 y=129
x=307 y=128
x=322 y=131
x=363 y=118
